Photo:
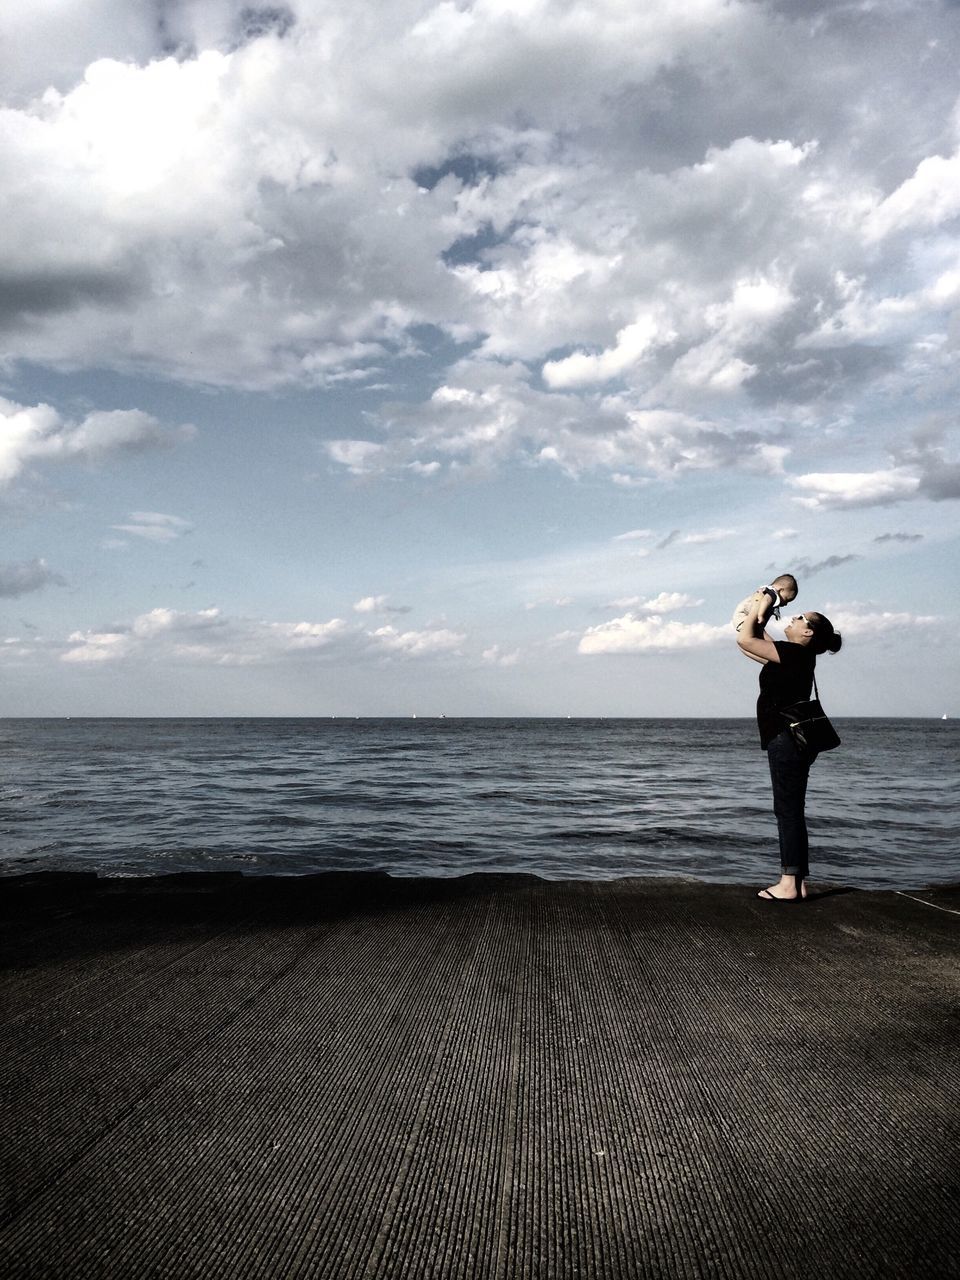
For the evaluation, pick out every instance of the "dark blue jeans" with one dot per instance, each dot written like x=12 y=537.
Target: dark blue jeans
x=789 y=770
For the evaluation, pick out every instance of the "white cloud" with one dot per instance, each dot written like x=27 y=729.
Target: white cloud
x=497 y=657
x=633 y=535
x=928 y=198
x=550 y=602
x=852 y=622
x=492 y=414
x=379 y=604
x=154 y=526
x=686 y=198
x=39 y=433
x=665 y=602
x=632 y=343
x=370 y=604
x=208 y=636
x=630 y=634
x=714 y=365
x=300 y=637
x=824 y=490
x=867 y=314
x=98 y=646
x=700 y=537
x=358 y=456
x=417 y=644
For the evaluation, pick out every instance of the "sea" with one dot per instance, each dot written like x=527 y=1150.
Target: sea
x=557 y=798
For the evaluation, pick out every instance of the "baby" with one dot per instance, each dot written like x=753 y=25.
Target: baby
x=780 y=592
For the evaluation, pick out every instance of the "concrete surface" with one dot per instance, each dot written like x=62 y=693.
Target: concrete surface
x=352 y=1076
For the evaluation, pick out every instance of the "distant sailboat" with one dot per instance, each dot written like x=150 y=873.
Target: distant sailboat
x=944 y=716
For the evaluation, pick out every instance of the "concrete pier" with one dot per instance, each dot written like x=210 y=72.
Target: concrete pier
x=495 y=1076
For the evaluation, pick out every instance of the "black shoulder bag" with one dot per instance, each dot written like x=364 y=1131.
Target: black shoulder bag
x=809 y=726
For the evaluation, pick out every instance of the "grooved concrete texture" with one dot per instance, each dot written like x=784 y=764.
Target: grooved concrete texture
x=495 y=1076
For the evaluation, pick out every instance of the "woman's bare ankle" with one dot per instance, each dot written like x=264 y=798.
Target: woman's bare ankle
x=792 y=886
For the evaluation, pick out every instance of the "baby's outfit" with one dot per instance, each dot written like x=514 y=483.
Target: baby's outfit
x=742 y=610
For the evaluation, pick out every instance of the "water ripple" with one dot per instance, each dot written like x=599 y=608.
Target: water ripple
x=584 y=798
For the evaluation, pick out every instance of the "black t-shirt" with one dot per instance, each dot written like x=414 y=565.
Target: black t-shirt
x=781 y=685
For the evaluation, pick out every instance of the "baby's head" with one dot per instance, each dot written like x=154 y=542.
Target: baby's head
x=786 y=586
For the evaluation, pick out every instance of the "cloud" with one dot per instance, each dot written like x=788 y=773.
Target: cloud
x=899 y=537
x=665 y=602
x=86 y=30
x=654 y=634
x=694 y=537
x=379 y=604
x=39 y=433
x=97 y=646
x=699 y=538
x=550 y=602
x=496 y=657
x=489 y=413
x=154 y=526
x=929 y=197
x=417 y=644
x=210 y=637
x=825 y=490
x=921 y=468
x=694 y=227
x=808 y=569
x=850 y=622
x=20 y=577
x=633 y=535
x=632 y=343
x=370 y=604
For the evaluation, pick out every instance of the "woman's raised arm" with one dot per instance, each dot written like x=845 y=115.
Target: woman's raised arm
x=751 y=637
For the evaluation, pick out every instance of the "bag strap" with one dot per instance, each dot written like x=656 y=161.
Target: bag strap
x=816 y=691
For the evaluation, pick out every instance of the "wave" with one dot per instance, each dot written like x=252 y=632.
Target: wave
x=555 y=798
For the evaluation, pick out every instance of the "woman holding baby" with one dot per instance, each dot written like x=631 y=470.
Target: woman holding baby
x=786 y=678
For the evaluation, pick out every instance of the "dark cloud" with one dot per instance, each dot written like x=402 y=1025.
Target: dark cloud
x=939 y=475
x=806 y=569
x=672 y=536
x=183 y=28
x=848 y=65
x=471 y=248
x=42 y=293
x=20 y=577
x=899 y=537
x=940 y=481
x=806 y=375
x=255 y=21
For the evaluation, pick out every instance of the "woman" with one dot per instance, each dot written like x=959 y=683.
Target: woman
x=786 y=678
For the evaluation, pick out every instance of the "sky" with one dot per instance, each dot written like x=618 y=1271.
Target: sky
x=475 y=357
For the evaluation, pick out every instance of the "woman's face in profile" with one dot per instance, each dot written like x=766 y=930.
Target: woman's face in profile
x=797 y=629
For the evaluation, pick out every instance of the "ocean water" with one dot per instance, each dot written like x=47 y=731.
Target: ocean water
x=557 y=798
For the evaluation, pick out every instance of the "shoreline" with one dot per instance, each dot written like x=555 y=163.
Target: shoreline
x=823 y=886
